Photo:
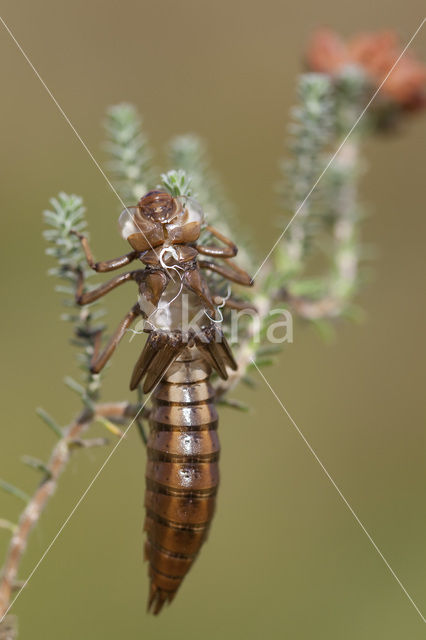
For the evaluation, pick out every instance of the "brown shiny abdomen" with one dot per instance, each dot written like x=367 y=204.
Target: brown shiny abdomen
x=182 y=474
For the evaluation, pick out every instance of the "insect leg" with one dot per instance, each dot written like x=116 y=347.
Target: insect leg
x=238 y=305
x=103 y=289
x=229 y=251
x=104 y=265
x=230 y=272
x=99 y=360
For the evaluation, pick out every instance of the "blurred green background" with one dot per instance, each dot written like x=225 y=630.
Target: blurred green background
x=285 y=557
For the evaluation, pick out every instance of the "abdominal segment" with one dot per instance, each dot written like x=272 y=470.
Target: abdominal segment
x=182 y=474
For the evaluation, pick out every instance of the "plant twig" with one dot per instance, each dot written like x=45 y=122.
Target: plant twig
x=9 y=628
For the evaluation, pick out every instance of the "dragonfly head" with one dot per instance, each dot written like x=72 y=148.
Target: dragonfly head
x=160 y=206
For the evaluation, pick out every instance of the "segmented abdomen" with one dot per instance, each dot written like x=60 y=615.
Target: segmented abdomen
x=182 y=473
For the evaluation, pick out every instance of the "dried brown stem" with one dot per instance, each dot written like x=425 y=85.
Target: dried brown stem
x=58 y=461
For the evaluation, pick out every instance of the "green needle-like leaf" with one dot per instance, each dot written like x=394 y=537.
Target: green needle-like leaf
x=6 y=524
x=49 y=421
x=234 y=404
x=14 y=491
x=37 y=464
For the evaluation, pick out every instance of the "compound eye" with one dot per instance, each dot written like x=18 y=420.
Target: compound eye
x=127 y=222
